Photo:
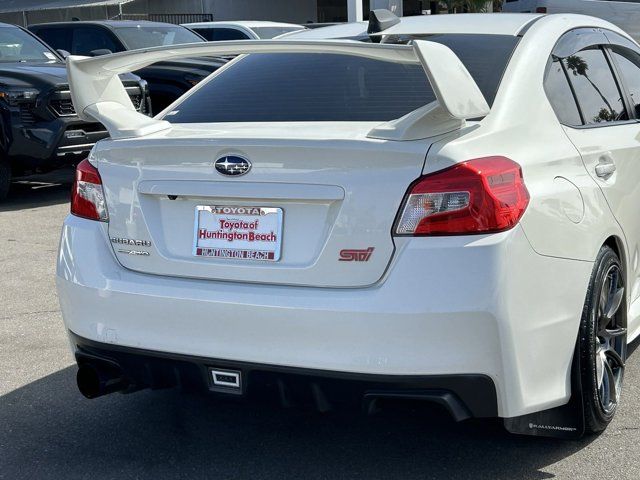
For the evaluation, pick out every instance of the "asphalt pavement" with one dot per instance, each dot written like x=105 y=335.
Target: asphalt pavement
x=49 y=431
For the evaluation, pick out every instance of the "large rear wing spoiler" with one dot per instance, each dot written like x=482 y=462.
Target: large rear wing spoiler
x=99 y=95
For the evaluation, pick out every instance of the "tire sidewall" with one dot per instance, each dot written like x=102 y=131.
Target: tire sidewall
x=596 y=417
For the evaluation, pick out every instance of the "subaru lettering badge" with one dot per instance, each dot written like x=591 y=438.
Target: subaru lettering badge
x=232 y=165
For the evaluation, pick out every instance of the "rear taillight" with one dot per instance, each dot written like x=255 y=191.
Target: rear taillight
x=541 y=10
x=485 y=195
x=87 y=196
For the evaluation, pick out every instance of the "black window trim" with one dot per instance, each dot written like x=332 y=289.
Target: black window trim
x=625 y=100
x=550 y=63
x=573 y=92
x=620 y=49
x=622 y=86
x=580 y=39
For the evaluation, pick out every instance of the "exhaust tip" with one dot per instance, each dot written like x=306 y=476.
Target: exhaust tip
x=96 y=381
x=88 y=381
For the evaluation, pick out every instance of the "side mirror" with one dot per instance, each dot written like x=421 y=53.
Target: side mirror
x=63 y=53
x=99 y=52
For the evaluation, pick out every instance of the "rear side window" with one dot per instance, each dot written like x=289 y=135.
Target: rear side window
x=58 y=38
x=595 y=87
x=331 y=87
x=629 y=66
x=556 y=85
x=89 y=39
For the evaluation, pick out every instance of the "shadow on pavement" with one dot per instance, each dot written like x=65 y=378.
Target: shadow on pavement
x=39 y=191
x=49 y=431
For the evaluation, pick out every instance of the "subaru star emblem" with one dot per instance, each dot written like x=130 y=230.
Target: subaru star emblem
x=232 y=165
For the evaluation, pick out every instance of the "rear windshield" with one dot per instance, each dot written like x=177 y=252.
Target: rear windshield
x=330 y=87
x=141 y=36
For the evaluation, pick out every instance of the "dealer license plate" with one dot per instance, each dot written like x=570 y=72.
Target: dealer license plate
x=238 y=233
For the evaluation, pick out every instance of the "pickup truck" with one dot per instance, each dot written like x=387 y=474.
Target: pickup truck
x=167 y=80
x=39 y=128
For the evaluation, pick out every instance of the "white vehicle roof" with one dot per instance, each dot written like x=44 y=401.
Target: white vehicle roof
x=473 y=23
x=347 y=30
x=242 y=23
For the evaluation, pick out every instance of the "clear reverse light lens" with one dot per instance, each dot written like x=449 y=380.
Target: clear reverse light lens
x=484 y=195
x=87 y=196
x=421 y=206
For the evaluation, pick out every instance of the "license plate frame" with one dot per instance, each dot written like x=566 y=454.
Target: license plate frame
x=246 y=215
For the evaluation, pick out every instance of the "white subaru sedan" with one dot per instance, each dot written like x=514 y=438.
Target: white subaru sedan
x=449 y=213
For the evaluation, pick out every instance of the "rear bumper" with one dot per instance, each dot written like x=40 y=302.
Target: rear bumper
x=472 y=306
x=464 y=396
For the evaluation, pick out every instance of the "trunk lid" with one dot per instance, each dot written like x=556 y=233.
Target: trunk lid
x=338 y=192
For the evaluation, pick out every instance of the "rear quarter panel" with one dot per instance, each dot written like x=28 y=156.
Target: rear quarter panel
x=568 y=216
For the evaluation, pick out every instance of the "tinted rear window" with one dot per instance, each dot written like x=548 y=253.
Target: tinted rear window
x=58 y=37
x=141 y=36
x=485 y=56
x=330 y=87
x=221 y=34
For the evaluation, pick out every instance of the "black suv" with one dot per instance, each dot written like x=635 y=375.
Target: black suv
x=39 y=127
x=167 y=80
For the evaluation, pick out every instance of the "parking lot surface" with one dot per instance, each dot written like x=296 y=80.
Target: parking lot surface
x=49 y=431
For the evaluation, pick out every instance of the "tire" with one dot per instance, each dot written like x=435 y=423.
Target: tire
x=5 y=179
x=603 y=341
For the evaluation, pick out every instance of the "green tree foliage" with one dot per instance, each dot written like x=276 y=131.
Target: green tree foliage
x=472 y=6
x=476 y=6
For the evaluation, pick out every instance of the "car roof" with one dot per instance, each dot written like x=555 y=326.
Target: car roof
x=345 y=30
x=107 y=23
x=242 y=23
x=473 y=23
x=464 y=23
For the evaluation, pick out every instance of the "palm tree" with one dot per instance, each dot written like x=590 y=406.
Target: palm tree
x=579 y=67
x=471 y=6
x=453 y=4
x=476 y=6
